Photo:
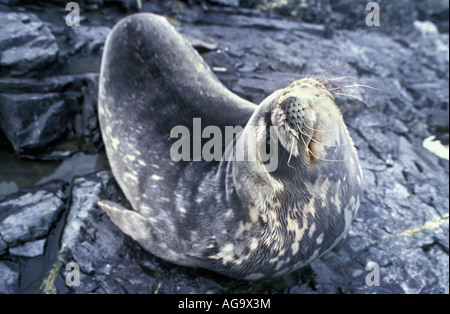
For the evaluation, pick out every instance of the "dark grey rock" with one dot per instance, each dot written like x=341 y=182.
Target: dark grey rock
x=27 y=216
x=91 y=240
x=27 y=220
x=26 y=43
x=233 y=3
x=85 y=194
x=32 y=121
x=90 y=124
x=396 y=17
x=29 y=249
x=305 y=10
x=49 y=84
x=37 y=112
x=9 y=277
x=3 y=247
x=89 y=39
x=224 y=19
x=436 y=11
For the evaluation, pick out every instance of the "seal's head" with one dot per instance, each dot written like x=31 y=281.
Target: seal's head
x=310 y=194
x=306 y=121
x=304 y=125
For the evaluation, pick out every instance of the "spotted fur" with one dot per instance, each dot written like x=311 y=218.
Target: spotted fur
x=227 y=216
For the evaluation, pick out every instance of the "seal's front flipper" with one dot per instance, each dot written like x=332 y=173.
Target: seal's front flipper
x=130 y=222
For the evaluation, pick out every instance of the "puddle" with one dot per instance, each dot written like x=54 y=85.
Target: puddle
x=82 y=64
x=16 y=173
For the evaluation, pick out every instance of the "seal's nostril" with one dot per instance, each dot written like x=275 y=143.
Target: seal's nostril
x=293 y=111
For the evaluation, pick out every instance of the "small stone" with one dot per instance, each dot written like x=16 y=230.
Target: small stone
x=9 y=277
x=29 y=249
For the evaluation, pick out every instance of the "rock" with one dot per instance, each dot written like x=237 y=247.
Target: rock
x=27 y=219
x=396 y=17
x=90 y=124
x=250 y=3
x=128 y=5
x=311 y=11
x=436 y=11
x=32 y=121
x=28 y=216
x=41 y=111
x=92 y=241
x=9 y=277
x=48 y=84
x=3 y=247
x=216 y=18
x=232 y=3
x=26 y=44
x=85 y=194
x=89 y=39
x=29 y=249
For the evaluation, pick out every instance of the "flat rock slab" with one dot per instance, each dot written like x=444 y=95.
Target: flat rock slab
x=28 y=216
x=27 y=44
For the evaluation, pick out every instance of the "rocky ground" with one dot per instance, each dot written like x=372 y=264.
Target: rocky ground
x=48 y=95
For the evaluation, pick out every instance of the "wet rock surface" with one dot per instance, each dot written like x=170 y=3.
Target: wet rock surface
x=48 y=95
x=27 y=44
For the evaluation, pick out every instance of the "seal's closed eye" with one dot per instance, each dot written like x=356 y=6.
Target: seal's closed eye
x=268 y=123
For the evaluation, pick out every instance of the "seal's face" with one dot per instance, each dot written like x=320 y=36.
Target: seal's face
x=306 y=123
x=303 y=114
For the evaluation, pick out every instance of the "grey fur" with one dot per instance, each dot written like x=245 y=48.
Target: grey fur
x=224 y=216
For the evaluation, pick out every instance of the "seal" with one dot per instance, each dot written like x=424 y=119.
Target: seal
x=230 y=215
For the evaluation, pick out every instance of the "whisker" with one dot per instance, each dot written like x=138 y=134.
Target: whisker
x=300 y=70
x=355 y=97
x=317 y=157
x=312 y=129
x=315 y=141
x=307 y=148
x=290 y=155
x=342 y=77
x=320 y=75
x=354 y=85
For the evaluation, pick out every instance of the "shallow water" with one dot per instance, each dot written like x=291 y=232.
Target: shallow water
x=17 y=173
